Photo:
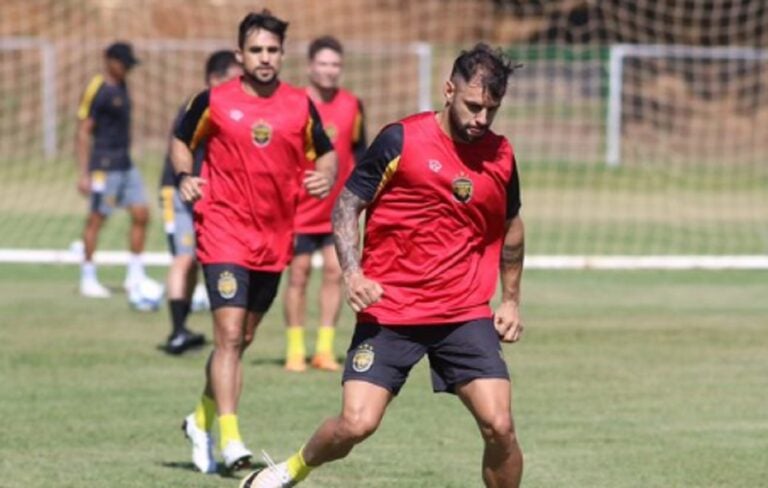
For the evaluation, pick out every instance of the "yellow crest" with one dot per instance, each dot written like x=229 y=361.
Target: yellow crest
x=227 y=285
x=261 y=133
x=462 y=188
x=363 y=358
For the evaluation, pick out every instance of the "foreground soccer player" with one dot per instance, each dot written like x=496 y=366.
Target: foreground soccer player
x=342 y=115
x=259 y=131
x=220 y=67
x=443 y=200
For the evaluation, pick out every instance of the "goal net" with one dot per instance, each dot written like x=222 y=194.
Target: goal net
x=641 y=128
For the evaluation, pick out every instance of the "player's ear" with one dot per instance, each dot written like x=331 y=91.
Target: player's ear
x=449 y=91
x=239 y=55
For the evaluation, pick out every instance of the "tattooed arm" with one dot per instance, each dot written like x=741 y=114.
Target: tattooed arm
x=360 y=291
x=507 y=315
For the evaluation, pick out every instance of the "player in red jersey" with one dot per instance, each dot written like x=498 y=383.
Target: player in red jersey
x=342 y=115
x=259 y=132
x=442 y=197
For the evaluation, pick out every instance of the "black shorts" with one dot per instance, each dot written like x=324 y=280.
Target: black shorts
x=232 y=285
x=458 y=353
x=309 y=243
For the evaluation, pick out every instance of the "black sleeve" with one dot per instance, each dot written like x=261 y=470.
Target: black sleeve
x=513 y=193
x=376 y=168
x=359 y=141
x=317 y=142
x=194 y=124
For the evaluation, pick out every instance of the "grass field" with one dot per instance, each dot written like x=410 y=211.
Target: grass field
x=624 y=379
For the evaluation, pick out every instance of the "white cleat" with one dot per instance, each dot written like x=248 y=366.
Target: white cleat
x=93 y=289
x=202 y=446
x=236 y=455
x=273 y=476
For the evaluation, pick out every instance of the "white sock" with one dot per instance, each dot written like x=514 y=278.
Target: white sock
x=88 y=271
x=135 y=268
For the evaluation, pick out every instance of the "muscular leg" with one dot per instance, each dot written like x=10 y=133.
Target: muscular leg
x=489 y=402
x=224 y=371
x=363 y=406
x=295 y=312
x=330 y=293
x=137 y=233
x=93 y=225
x=182 y=276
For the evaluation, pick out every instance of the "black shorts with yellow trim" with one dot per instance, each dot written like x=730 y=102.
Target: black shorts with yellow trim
x=232 y=285
x=458 y=353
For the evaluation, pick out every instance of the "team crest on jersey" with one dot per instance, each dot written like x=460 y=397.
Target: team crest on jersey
x=227 y=285
x=331 y=131
x=363 y=358
x=261 y=133
x=462 y=188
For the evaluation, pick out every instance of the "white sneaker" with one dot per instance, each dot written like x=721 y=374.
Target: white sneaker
x=202 y=445
x=93 y=289
x=273 y=476
x=236 y=455
x=133 y=281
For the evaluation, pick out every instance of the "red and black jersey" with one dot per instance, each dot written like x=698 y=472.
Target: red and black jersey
x=344 y=124
x=109 y=106
x=436 y=221
x=256 y=148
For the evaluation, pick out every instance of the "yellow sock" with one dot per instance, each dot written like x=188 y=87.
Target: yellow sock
x=297 y=467
x=325 y=336
x=295 y=342
x=229 y=429
x=205 y=412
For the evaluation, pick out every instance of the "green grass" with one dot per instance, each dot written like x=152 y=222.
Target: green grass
x=624 y=379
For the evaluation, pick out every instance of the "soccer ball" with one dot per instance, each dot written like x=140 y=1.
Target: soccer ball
x=200 y=301
x=146 y=295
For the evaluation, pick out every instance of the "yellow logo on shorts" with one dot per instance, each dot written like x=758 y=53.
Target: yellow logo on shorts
x=227 y=285
x=188 y=239
x=261 y=133
x=363 y=358
x=462 y=188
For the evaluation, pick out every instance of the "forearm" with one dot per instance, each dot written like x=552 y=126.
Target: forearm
x=512 y=257
x=83 y=150
x=327 y=164
x=181 y=157
x=346 y=230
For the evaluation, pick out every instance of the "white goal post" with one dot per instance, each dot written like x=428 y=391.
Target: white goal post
x=619 y=53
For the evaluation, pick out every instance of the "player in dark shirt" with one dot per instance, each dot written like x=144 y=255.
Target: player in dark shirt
x=442 y=202
x=220 y=67
x=107 y=174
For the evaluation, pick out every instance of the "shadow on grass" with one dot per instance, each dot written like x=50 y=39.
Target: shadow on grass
x=222 y=471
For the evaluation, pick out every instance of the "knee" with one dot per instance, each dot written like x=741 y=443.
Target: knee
x=230 y=338
x=140 y=216
x=332 y=274
x=356 y=426
x=298 y=279
x=498 y=430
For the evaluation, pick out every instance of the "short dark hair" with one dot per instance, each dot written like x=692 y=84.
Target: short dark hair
x=219 y=62
x=324 y=42
x=262 y=20
x=492 y=65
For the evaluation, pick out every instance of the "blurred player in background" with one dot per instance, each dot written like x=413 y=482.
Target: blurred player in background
x=342 y=116
x=220 y=67
x=259 y=132
x=442 y=198
x=106 y=172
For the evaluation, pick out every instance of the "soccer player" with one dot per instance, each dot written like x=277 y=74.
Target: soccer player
x=107 y=173
x=342 y=116
x=442 y=198
x=259 y=132
x=220 y=67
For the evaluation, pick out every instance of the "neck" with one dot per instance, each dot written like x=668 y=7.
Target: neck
x=444 y=122
x=323 y=94
x=110 y=79
x=256 y=89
